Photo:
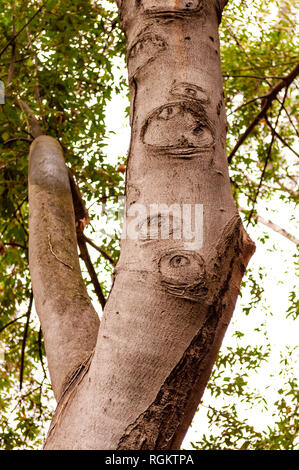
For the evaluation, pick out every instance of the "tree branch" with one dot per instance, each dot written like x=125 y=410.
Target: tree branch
x=100 y=250
x=81 y=220
x=11 y=323
x=40 y=353
x=276 y=228
x=91 y=271
x=282 y=140
x=68 y=319
x=13 y=39
x=269 y=98
x=35 y=127
x=267 y=157
x=25 y=339
x=13 y=52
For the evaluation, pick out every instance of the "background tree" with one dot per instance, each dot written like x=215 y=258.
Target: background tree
x=58 y=61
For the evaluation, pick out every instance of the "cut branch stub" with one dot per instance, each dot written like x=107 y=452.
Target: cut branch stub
x=69 y=322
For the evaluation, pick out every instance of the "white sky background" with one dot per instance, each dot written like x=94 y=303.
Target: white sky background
x=277 y=266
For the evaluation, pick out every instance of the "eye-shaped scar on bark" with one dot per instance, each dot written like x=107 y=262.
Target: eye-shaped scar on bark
x=190 y=91
x=179 y=128
x=143 y=51
x=161 y=225
x=171 y=7
x=183 y=274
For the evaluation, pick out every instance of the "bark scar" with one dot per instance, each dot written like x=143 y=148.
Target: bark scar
x=54 y=254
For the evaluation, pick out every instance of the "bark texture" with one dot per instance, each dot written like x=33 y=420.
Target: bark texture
x=170 y=303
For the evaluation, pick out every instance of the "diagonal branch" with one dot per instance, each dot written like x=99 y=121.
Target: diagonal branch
x=276 y=228
x=11 y=323
x=282 y=140
x=269 y=98
x=100 y=250
x=35 y=127
x=13 y=39
x=28 y=314
x=90 y=268
x=267 y=158
x=68 y=319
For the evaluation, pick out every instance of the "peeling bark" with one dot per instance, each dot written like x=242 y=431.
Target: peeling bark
x=171 y=301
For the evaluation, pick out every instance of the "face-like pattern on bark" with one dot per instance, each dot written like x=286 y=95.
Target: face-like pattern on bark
x=171 y=6
x=144 y=50
x=183 y=274
x=179 y=128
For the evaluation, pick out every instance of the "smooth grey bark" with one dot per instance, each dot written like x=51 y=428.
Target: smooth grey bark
x=170 y=304
x=69 y=322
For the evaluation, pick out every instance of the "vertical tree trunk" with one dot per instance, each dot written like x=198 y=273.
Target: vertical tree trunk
x=172 y=298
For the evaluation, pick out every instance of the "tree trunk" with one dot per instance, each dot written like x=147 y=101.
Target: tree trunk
x=138 y=384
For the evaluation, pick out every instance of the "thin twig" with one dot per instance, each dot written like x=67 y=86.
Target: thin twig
x=25 y=339
x=280 y=138
x=276 y=228
x=15 y=244
x=16 y=139
x=100 y=250
x=34 y=124
x=252 y=76
x=11 y=322
x=247 y=102
x=288 y=116
x=270 y=97
x=40 y=353
x=22 y=29
x=267 y=159
x=13 y=51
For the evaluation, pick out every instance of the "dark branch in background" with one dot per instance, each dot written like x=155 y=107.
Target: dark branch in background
x=14 y=214
x=11 y=322
x=15 y=244
x=34 y=124
x=13 y=51
x=261 y=178
x=13 y=39
x=100 y=250
x=36 y=86
x=17 y=139
x=258 y=77
x=40 y=353
x=267 y=157
x=288 y=116
x=279 y=137
x=91 y=271
x=81 y=220
x=246 y=104
x=25 y=339
x=268 y=100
